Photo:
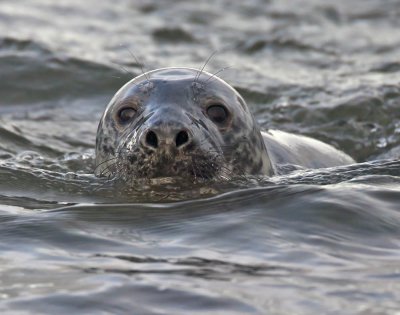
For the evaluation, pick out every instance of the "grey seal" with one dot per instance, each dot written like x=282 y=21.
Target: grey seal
x=189 y=124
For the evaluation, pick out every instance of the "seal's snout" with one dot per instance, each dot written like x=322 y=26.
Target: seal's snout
x=166 y=138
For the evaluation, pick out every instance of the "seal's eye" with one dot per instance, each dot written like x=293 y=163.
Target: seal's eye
x=126 y=114
x=217 y=113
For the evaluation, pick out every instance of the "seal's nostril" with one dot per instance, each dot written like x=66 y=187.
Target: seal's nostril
x=181 y=138
x=151 y=139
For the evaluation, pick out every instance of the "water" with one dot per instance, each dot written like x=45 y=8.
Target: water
x=313 y=242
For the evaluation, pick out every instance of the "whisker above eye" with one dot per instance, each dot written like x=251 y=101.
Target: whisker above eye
x=204 y=65
x=214 y=75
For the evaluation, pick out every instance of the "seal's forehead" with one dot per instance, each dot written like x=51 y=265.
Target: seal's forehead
x=165 y=80
x=174 y=74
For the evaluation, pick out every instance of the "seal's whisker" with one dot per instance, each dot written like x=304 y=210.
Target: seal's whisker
x=223 y=176
x=227 y=171
x=221 y=167
x=208 y=166
x=204 y=65
x=124 y=69
x=107 y=174
x=106 y=161
x=215 y=74
x=102 y=185
x=107 y=170
x=140 y=64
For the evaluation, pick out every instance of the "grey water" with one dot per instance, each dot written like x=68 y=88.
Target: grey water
x=311 y=242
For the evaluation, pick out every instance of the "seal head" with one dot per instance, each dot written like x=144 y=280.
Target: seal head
x=181 y=123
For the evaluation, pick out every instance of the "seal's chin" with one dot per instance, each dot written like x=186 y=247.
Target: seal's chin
x=176 y=169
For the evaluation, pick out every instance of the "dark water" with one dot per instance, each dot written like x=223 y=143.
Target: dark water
x=315 y=242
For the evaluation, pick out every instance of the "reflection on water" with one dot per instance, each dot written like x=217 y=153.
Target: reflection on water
x=311 y=242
